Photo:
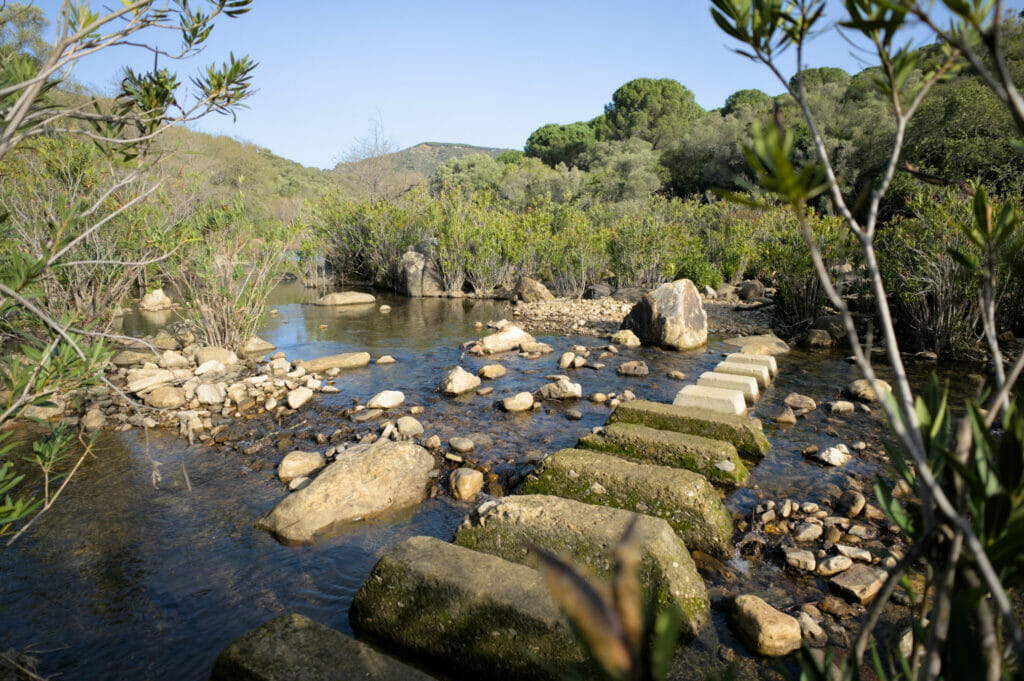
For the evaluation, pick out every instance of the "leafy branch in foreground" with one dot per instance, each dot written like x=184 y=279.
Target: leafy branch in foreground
x=37 y=105
x=968 y=499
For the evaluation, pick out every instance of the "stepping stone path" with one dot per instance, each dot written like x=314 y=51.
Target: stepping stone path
x=479 y=600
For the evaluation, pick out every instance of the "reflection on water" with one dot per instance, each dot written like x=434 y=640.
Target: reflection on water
x=127 y=580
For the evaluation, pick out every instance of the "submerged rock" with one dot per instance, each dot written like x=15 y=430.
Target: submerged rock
x=346 y=360
x=292 y=646
x=345 y=298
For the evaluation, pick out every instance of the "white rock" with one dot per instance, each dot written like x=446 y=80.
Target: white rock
x=459 y=381
x=210 y=367
x=835 y=456
x=518 y=402
x=297 y=464
x=299 y=397
x=386 y=399
x=466 y=483
x=211 y=393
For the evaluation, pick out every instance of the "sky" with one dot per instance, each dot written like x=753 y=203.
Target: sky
x=479 y=73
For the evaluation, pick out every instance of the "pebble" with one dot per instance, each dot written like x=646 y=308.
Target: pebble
x=807 y=532
x=842 y=407
x=462 y=445
x=677 y=375
x=800 y=559
x=833 y=566
x=851 y=503
x=385 y=359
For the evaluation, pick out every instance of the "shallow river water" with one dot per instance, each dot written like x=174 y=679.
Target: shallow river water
x=127 y=579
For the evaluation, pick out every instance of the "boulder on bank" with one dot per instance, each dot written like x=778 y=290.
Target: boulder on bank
x=292 y=646
x=417 y=276
x=683 y=498
x=345 y=298
x=671 y=316
x=346 y=360
x=439 y=602
x=509 y=527
x=367 y=481
x=155 y=301
x=748 y=289
x=532 y=291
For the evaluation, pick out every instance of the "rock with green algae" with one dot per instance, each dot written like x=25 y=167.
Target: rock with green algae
x=587 y=535
x=716 y=460
x=438 y=602
x=683 y=498
x=291 y=647
x=744 y=432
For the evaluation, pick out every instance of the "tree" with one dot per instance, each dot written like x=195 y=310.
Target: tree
x=624 y=171
x=58 y=355
x=367 y=164
x=969 y=518
x=657 y=111
x=554 y=144
x=747 y=101
x=21 y=31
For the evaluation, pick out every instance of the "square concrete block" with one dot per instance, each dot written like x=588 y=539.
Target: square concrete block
x=721 y=400
x=745 y=384
x=760 y=373
x=766 y=361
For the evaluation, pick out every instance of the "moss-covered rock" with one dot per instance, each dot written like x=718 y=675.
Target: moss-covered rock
x=744 y=432
x=467 y=614
x=716 y=460
x=587 y=535
x=292 y=647
x=683 y=498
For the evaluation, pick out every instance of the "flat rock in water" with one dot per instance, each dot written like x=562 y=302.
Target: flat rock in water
x=346 y=360
x=634 y=368
x=798 y=401
x=345 y=298
x=439 y=602
x=685 y=499
x=763 y=628
x=367 y=481
x=716 y=460
x=670 y=316
x=509 y=338
x=509 y=527
x=491 y=371
x=386 y=399
x=861 y=582
x=292 y=646
x=743 y=432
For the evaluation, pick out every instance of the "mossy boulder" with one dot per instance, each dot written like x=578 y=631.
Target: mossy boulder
x=716 y=460
x=587 y=535
x=744 y=432
x=292 y=647
x=683 y=498
x=466 y=613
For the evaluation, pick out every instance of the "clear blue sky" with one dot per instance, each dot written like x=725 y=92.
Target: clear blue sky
x=455 y=71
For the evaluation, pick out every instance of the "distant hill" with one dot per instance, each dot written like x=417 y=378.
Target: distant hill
x=394 y=174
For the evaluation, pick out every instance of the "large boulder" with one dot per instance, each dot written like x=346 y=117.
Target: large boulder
x=367 y=481
x=509 y=338
x=417 y=276
x=345 y=298
x=154 y=301
x=683 y=498
x=511 y=526
x=532 y=291
x=671 y=316
x=346 y=360
x=439 y=603
x=292 y=646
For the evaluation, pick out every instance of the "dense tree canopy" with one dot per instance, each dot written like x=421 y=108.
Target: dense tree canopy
x=660 y=112
x=554 y=143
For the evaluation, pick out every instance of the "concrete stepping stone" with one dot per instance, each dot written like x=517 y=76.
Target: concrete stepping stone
x=724 y=400
x=439 y=603
x=586 y=534
x=760 y=373
x=716 y=460
x=745 y=384
x=683 y=498
x=766 y=361
x=292 y=646
x=744 y=432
